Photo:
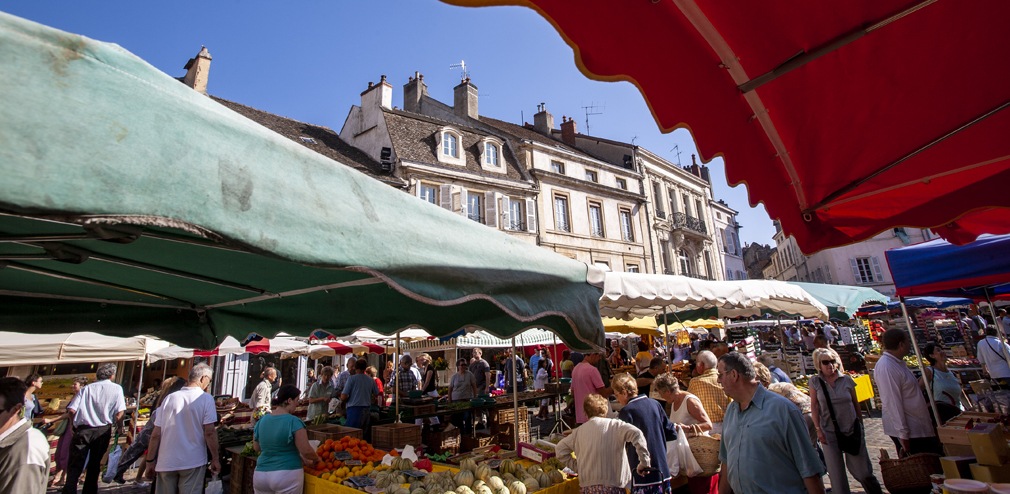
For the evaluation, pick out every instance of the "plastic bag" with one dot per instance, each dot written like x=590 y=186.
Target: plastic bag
x=113 y=464
x=214 y=486
x=679 y=457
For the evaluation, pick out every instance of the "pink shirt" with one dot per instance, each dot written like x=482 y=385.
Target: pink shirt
x=585 y=381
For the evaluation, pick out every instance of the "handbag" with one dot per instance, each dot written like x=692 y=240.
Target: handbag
x=850 y=443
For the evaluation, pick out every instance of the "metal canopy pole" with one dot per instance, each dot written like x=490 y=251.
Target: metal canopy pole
x=666 y=330
x=515 y=396
x=999 y=326
x=140 y=392
x=929 y=389
x=397 y=375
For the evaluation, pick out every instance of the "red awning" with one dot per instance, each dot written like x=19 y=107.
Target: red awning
x=843 y=118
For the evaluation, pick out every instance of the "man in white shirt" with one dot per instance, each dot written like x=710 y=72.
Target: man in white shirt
x=993 y=355
x=24 y=451
x=905 y=412
x=183 y=431
x=96 y=408
x=1004 y=320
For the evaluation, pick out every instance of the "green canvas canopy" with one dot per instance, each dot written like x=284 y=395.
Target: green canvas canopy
x=842 y=301
x=131 y=204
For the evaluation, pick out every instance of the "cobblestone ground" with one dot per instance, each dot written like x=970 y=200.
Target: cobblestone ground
x=128 y=488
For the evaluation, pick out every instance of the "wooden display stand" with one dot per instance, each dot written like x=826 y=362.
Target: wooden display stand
x=389 y=436
x=242 y=468
x=331 y=431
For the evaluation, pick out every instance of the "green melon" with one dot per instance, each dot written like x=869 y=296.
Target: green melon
x=464 y=477
x=507 y=467
x=544 y=480
x=468 y=464
x=517 y=487
x=531 y=484
x=483 y=472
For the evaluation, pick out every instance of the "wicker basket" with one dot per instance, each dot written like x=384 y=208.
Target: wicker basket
x=706 y=452
x=909 y=474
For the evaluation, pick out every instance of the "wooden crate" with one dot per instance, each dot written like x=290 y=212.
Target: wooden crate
x=501 y=417
x=871 y=360
x=507 y=438
x=419 y=410
x=556 y=388
x=242 y=468
x=443 y=441
x=953 y=432
x=332 y=431
x=476 y=441
x=389 y=436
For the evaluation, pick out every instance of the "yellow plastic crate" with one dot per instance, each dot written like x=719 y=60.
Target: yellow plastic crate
x=864 y=388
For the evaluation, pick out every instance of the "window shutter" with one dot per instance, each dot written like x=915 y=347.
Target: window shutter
x=445 y=196
x=464 y=201
x=490 y=210
x=531 y=215
x=876 y=270
x=506 y=213
x=417 y=189
x=855 y=271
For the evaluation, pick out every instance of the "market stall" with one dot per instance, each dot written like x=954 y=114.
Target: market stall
x=979 y=271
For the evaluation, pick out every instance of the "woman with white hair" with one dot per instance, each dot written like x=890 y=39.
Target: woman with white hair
x=839 y=424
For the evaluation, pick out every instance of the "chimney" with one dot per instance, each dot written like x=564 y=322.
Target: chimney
x=705 y=175
x=464 y=100
x=695 y=169
x=413 y=90
x=568 y=130
x=197 y=71
x=380 y=95
x=543 y=122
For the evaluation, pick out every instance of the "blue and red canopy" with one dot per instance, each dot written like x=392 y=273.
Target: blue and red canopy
x=938 y=268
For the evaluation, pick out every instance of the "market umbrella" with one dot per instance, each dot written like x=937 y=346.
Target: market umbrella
x=73 y=348
x=843 y=118
x=842 y=301
x=131 y=204
x=231 y=346
x=631 y=295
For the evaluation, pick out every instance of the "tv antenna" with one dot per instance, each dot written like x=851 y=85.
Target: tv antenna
x=462 y=66
x=593 y=109
x=676 y=148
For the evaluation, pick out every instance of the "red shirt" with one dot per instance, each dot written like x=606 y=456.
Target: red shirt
x=378 y=383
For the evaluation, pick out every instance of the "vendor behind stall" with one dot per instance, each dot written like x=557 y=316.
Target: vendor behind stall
x=320 y=394
x=359 y=394
x=462 y=387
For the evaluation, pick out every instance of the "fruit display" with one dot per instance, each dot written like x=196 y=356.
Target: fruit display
x=367 y=459
x=249 y=450
x=963 y=362
x=913 y=362
x=404 y=477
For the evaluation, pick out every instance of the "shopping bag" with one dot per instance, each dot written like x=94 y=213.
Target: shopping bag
x=113 y=464
x=214 y=486
x=673 y=458
x=688 y=465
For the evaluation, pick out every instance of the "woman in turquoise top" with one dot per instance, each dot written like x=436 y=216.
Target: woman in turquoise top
x=283 y=444
x=945 y=386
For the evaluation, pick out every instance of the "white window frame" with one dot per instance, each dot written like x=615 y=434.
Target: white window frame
x=621 y=183
x=460 y=157
x=512 y=214
x=475 y=213
x=627 y=230
x=421 y=186
x=562 y=222
x=593 y=176
x=489 y=142
x=593 y=231
x=632 y=268
x=866 y=270
x=560 y=167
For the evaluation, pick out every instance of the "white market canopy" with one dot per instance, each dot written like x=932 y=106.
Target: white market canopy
x=231 y=346
x=761 y=323
x=481 y=339
x=632 y=295
x=72 y=348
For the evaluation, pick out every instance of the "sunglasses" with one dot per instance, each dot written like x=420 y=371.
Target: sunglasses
x=828 y=362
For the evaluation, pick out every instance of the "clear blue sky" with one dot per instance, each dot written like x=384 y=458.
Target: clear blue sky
x=310 y=60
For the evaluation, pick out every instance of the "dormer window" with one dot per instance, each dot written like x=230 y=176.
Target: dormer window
x=490 y=154
x=451 y=149
x=449 y=145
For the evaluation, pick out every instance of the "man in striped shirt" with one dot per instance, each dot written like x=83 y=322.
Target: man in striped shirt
x=707 y=388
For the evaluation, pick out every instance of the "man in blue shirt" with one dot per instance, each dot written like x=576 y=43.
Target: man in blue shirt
x=765 y=445
x=778 y=375
x=359 y=394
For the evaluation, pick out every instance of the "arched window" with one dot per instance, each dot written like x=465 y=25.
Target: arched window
x=449 y=145
x=490 y=154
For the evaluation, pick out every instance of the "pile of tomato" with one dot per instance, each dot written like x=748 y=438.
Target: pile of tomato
x=328 y=468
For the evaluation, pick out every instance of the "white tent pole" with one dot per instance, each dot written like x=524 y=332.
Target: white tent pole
x=397 y=376
x=556 y=363
x=515 y=396
x=140 y=392
x=666 y=329
x=999 y=325
x=911 y=334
